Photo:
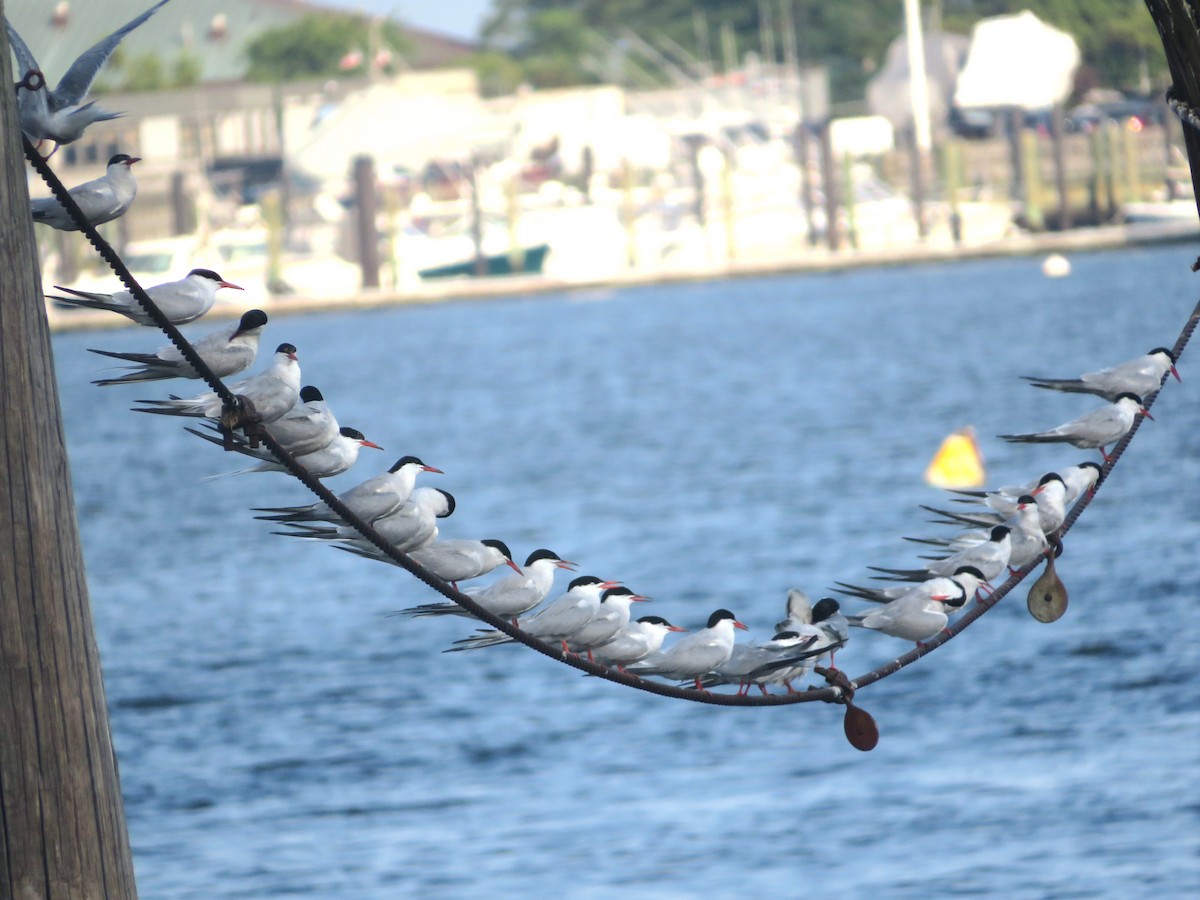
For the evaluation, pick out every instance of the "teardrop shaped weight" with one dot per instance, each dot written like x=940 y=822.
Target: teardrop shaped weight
x=1048 y=596
x=861 y=730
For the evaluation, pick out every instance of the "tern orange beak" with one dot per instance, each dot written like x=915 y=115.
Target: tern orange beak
x=1146 y=414
x=512 y=565
x=676 y=628
x=439 y=472
x=565 y=564
x=1175 y=372
x=228 y=284
x=371 y=444
x=737 y=624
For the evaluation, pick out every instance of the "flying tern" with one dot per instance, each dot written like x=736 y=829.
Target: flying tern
x=1094 y=430
x=1141 y=376
x=60 y=115
x=272 y=392
x=696 y=655
x=100 y=200
x=510 y=596
x=180 y=301
x=227 y=351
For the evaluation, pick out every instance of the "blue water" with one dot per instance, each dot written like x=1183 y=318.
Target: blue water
x=711 y=445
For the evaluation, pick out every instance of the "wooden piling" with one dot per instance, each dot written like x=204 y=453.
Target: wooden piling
x=62 y=821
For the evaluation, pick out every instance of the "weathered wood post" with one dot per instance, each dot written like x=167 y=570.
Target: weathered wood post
x=62 y=822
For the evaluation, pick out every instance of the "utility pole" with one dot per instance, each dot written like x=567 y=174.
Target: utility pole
x=62 y=822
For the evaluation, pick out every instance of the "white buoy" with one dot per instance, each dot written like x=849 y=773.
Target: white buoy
x=1056 y=266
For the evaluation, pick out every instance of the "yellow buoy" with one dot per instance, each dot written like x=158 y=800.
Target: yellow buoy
x=958 y=463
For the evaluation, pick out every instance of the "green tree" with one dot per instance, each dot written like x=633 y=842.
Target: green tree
x=314 y=46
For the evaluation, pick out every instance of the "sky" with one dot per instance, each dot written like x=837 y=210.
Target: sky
x=459 y=18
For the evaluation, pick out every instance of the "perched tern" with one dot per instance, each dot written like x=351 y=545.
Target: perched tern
x=829 y=631
x=272 y=392
x=1141 y=376
x=510 y=596
x=180 y=301
x=989 y=556
x=955 y=590
x=60 y=115
x=635 y=642
x=609 y=620
x=1050 y=496
x=751 y=664
x=100 y=200
x=1094 y=430
x=306 y=427
x=1026 y=539
x=921 y=612
x=227 y=351
x=696 y=655
x=1077 y=479
x=374 y=498
x=798 y=611
x=461 y=560
x=333 y=459
x=411 y=527
x=558 y=621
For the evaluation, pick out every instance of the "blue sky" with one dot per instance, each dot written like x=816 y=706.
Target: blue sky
x=460 y=18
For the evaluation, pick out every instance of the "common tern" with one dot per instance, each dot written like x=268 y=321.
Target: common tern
x=751 y=664
x=612 y=616
x=990 y=557
x=798 y=611
x=1049 y=495
x=696 y=655
x=1094 y=430
x=411 y=527
x=100 y=200
x=829 y=631
x=955 y=590
x=921 y=612
x=1026 y=539
x=635 y=642
x=510 y=596
x=1078 y=479
x=227 y=351
x=333 y=459
x=306 y=427
x=272 y=392
x=372 y=499
x=180 y=301
x=1141 y=376
x=557 y=622
x=461 y=559
x=60 y=115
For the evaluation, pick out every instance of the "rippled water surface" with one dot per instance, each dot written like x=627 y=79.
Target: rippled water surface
x=711 y=445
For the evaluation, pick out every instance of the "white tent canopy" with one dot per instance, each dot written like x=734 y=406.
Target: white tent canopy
x=1017 y=61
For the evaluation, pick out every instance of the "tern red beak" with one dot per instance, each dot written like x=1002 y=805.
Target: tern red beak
x=371 y=444
x=1146 y=414
x=565 y=564
x=605 y=585
x=512 y=565
x=737 y=624
x=676 y=628
x=1175 y=372
x=132 y=160
x=229 y=284
x=440 y=472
